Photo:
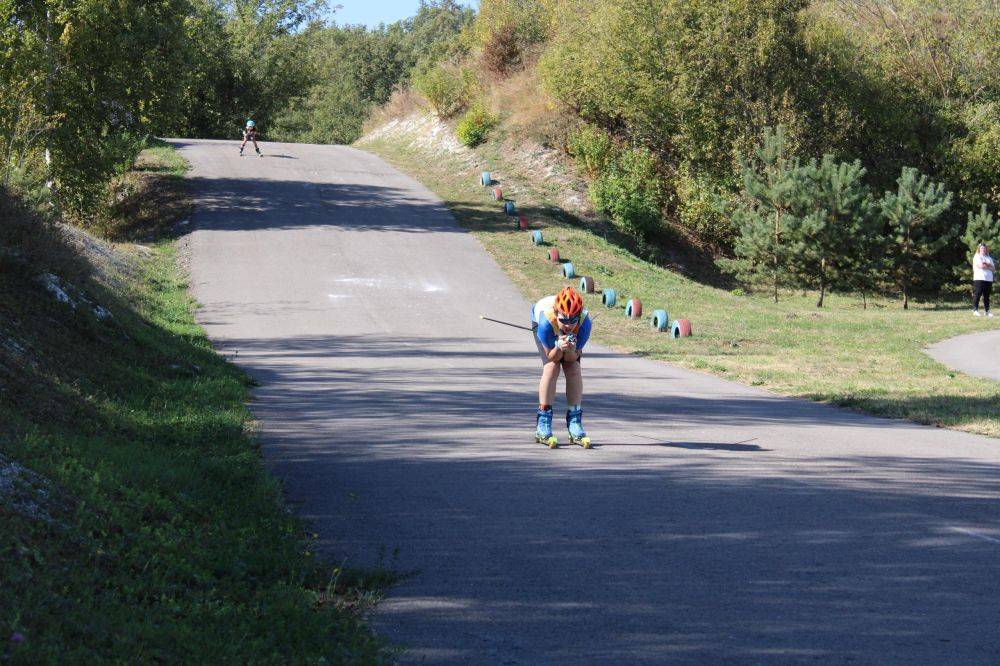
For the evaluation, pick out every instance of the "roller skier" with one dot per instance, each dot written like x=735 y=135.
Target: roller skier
x=561 y=329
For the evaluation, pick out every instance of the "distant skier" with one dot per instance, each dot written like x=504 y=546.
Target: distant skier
x=562 y=328
x=250 y=134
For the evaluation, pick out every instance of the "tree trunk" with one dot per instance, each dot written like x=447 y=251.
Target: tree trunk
x=777 y=240
x=864 y=301
x=822 y=282
x=906 y=295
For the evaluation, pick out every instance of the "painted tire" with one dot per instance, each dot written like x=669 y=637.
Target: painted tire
x=522 y=223
x=587 y=285
x=508 y=208
x=498 y=194
x=634 y=308
x=681 y=328
x=486 y=179
x=659 y=320
x=609 y=297
x=554 y=256
x=536 y=237
x=568 y=271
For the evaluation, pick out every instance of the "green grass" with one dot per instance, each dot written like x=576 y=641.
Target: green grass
x=153 y=533
x=869 y=360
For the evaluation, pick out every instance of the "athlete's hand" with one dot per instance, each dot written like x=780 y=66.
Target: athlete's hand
x=566 y=343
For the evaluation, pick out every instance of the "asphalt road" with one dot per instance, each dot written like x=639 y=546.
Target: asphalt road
x=712 y=522
x=976 y=354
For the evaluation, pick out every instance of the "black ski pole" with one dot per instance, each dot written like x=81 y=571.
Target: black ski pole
x=505 y=323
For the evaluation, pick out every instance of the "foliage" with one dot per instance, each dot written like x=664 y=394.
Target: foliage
x=433 y=33
x=628 y=190
x=475 y=125
x=592 y=148
x=86 y=82
x=446 y=87
x=701 y=201
x=982 y=227
x=916 y=241
x=526 y=21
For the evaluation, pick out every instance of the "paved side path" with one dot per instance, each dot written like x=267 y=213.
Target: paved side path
x=713 y=523
x=976 y=354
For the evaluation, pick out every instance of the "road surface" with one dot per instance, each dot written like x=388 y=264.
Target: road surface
x=976 y=354
x=713 y=522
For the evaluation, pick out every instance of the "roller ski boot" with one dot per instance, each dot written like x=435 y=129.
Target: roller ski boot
x=241 y=152
x=258 y=152
x=543 y=429
x=574 y=423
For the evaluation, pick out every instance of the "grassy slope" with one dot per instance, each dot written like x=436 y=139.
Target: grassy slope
x=157 y=535
x=865 y=359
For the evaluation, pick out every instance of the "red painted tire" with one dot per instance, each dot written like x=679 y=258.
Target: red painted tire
x=634 y=308
x=498 y=194
x=681 y=328
x=587 y=284
x=523 y=223
x=554 y=256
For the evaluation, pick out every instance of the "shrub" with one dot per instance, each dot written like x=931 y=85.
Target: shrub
x=475 y=125
x=501 y=52
x=629 y=192
x=446 y=88
x=592 y=148
x=701 y=207
x=527 y=20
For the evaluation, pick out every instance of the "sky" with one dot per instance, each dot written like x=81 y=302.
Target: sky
x=373 y=12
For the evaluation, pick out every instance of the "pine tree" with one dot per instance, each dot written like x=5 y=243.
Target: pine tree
x=765 y=214
x=981 y=228
x=837 y=213
x=910 y=214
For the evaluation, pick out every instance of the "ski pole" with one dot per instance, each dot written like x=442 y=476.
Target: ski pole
x=505 y=323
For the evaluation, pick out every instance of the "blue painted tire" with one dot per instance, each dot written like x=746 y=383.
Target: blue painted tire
x=508 y=207
x=681 y=328
x=486 y=179
x=568 y=271
x=587 y=284
x=536 y=237
x=609 y=297
x=659 y=320
x=633 y=309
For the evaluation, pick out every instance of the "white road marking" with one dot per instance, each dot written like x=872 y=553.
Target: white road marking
x=973 y=533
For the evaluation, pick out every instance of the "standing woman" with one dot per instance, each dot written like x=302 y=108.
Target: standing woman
x=982 y=279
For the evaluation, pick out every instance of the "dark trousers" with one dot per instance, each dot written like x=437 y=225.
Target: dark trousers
x=981 y=288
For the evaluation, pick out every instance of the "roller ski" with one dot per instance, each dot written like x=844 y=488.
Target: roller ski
x=543 y=429
x=574 y=423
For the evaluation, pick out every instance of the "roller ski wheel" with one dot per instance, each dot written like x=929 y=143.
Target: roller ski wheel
x=551 y=441
x=581 y=441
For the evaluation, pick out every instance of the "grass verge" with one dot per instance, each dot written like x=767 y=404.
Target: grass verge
x=865 y=359
x=138 y=524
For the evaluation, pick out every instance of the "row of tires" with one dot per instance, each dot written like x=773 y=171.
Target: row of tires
x=681 y=328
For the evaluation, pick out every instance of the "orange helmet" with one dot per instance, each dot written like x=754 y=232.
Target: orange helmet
x=568 y=302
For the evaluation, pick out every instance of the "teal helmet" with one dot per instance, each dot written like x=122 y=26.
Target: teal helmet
x=250 y=123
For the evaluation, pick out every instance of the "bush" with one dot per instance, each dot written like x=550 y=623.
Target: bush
x=527 y=21
x=701 y=207
x=501 y=52
x=475 y=125
x=630 y=193
x=446 y=88
x=592 y=148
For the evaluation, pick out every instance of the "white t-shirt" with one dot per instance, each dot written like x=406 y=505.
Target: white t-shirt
x=982 y=267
